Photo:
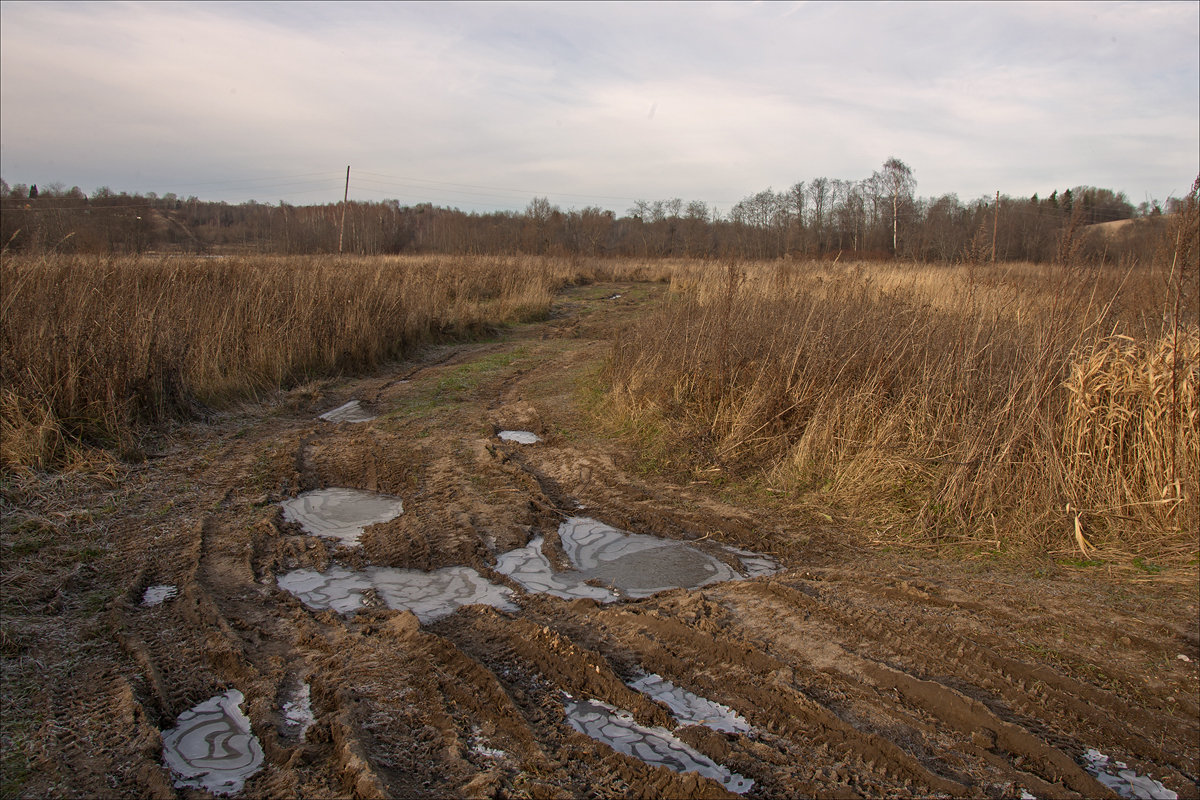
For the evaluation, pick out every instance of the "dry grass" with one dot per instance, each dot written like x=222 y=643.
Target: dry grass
x=996 y=406
x=94 y=349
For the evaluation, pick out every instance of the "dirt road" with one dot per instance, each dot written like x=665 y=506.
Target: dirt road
x=846 y=673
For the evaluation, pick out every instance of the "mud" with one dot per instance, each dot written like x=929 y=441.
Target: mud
x=759 y=644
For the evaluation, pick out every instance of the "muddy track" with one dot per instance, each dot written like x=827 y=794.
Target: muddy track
x=858 y=674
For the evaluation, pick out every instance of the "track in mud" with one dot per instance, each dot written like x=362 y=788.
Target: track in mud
x=829 y=678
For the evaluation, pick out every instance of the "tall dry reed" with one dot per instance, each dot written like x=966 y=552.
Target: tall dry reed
x=93 y=349
x=933 y=403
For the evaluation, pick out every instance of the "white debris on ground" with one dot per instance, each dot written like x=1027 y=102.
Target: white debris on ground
x=297 y=712
x=428 y=595
x=158 y=594
x=348 y=412
x=691 y=709
x=480 y=749
x=1115 y=775
x=520 y=437
x=658 y=746
x=755 y=565
x=212 y=747
x=1182 y=657
x=341 y=513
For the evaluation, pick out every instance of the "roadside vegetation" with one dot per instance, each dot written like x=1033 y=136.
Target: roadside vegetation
x=1044 y=406
x=1014 y=406
x=97 y=348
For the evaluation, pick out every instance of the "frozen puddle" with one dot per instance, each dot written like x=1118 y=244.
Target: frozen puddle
x=626 y=564
x=340 y=513
x=691 y=709
x=297 y=712
x=530 y=567
x=1125 y=782
x=429 y=595
x=520 y=437
x=349 y=412
x=656 y=746
x=211 y=746
x=157 y=595
x=338 y=588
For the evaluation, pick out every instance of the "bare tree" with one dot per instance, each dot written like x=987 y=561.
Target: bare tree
x=899 y=182
x=818 y=192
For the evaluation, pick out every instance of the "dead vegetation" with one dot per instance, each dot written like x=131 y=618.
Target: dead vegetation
x=94 y=348
x=1029 y=407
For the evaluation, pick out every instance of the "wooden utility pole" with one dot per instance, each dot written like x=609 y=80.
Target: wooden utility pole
x=995 y=219
x=345 y=199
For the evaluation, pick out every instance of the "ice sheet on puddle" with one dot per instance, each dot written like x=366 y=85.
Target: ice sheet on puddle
x=520 y=437
x=338 y=588
x=1124 y=782
x=212 y=747
x=156 y=595
x=654 y=745
x=341 y=513
x=297 y=712
x=626 y=564
x=433 y=595
x=691 y=709
x=348 y=412
x=530 y=567
x=429 y=595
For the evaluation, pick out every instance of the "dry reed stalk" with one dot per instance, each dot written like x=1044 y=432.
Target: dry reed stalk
x=930 y=396
x=93 y=349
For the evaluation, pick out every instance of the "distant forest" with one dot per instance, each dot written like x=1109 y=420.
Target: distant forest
x=878 y=217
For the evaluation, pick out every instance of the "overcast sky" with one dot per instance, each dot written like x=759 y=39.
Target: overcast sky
x=483 y=106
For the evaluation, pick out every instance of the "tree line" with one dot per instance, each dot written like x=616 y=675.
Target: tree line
x=876 y=217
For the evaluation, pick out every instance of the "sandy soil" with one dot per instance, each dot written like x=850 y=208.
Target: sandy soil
x=862 y=673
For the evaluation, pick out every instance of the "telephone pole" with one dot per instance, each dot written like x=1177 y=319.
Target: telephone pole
x=995 y=217
x=345 y=199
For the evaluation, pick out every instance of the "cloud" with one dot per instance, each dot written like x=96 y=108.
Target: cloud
x=554 y=98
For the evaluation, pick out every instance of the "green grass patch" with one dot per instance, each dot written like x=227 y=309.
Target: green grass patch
x=1145 y=566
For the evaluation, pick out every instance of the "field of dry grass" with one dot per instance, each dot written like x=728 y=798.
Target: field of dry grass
x=1020 y=405
x=95 y=348
x=1045 y=407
